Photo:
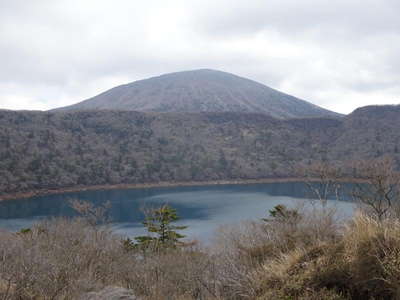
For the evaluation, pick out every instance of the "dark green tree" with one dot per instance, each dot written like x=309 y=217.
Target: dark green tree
x=162 y=233
x=281 y=214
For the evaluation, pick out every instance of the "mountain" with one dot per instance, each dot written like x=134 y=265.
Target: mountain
x=201 y=91
x=55 y=150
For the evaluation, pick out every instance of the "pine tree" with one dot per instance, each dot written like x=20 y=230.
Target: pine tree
x=162 y=233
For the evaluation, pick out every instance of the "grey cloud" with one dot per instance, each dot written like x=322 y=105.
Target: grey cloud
x=293 y=16
x=59 y=52
x=363 y=35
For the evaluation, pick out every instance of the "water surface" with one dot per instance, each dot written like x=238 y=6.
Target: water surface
x=201 y=208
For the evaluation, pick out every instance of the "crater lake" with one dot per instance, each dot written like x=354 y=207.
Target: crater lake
x=202 y=208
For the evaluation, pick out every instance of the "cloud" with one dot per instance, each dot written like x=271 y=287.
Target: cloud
x=337 y=54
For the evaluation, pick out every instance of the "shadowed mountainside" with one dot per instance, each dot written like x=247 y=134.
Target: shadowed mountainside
x=201 y=91
x=53 y=150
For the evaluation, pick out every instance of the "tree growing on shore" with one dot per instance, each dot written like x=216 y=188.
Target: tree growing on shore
x=375 y=184
x=322 y=180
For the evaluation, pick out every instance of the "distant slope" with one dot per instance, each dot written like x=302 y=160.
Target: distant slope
x=53 y=150
x=201 y=91
x=369 y=131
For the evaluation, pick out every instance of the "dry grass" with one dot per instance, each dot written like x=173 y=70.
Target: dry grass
x=59 y=259
x=62 y=259
x=363 y=264
x=313 y=257
x=242 y=251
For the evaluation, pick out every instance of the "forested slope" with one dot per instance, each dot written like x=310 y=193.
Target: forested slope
x=52 y=150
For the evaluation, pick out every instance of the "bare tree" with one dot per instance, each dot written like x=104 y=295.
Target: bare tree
x=378 y=186
x=94 y=215
x=322 y=179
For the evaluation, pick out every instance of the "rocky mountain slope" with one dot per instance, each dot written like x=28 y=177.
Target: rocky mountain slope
x=201 y=91
x=52 y=150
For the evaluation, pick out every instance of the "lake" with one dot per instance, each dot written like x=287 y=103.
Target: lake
x=202 y=208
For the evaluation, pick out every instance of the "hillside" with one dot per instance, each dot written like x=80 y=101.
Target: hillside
x=201 y=91
x=369 y=131
x=50 y=150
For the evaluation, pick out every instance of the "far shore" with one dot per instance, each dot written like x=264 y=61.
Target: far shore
x=43 y=192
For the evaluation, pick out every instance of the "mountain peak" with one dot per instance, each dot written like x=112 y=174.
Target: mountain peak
x=201 y=90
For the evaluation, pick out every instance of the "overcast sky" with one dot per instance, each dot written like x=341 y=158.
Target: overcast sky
x=338 y=54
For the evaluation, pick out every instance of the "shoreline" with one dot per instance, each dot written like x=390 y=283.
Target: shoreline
x=25 y=195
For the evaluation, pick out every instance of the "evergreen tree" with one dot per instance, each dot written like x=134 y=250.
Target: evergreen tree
x=281 y=214
x=162 y=233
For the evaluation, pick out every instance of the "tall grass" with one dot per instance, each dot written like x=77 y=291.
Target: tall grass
x=314 y=256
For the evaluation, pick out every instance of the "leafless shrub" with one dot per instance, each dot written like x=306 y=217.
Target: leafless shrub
x=241 y=251
x=173 y=274
x=64 y=258
x=94 y=215
x=237 y=251
x=379 y=191
x=322 y=179
x=60 y=258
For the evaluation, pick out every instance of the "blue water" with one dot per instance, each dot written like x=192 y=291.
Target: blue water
x=203 y=208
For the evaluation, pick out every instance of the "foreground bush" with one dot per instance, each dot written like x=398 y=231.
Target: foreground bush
x=302 y=255
x=57 y=259
x=63 y=259
x=243 y=251
x=363 y=264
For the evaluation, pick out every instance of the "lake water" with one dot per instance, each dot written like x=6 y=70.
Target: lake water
x=203 y=208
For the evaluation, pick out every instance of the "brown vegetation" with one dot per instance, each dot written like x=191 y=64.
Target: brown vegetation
x=300 y=253
x=380 y=190
x=41 y=151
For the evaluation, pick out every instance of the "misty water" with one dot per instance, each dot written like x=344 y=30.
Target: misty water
x=202 y=208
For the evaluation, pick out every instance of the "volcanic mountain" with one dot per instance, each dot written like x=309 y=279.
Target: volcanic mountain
x=201 y=90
